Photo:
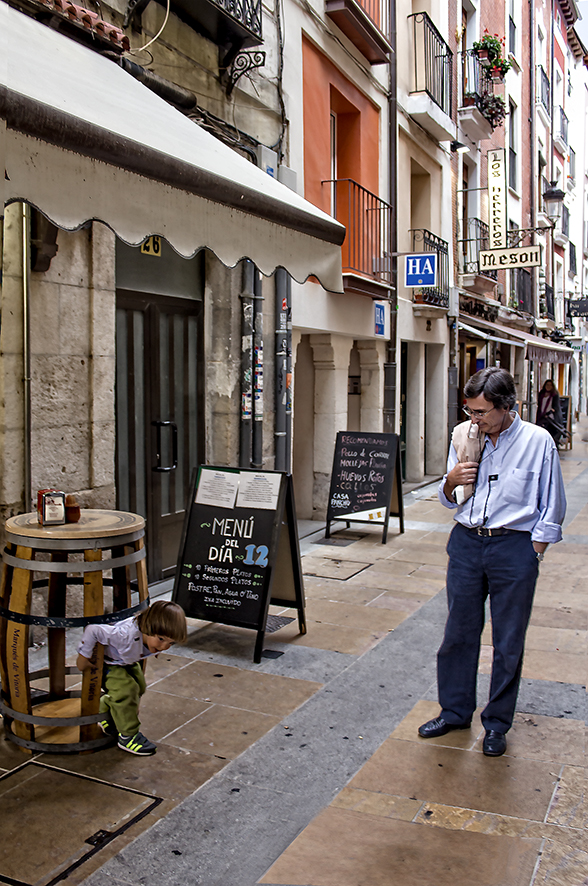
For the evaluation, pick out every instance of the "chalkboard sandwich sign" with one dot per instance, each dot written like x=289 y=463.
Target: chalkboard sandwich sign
x=366 y=483
x=239 y=549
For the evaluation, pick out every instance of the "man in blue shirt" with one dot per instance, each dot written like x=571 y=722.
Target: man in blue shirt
x=504 y=480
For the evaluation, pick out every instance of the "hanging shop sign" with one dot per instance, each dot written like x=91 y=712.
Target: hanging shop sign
x=510 y=258
x=497 y=193
x=366 y=481
x=239 y=550
x=420 y=269
x=578 y=307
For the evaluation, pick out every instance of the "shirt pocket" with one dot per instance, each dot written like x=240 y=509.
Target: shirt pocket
x=521 y=487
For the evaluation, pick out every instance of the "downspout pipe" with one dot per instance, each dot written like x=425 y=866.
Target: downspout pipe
x=26 y=354
x=247 y=295
x=258 y=405
x=390 y=367
x=283 y=344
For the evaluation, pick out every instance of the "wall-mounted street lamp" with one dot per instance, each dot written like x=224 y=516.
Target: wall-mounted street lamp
x=553 y=199
x=459 y=148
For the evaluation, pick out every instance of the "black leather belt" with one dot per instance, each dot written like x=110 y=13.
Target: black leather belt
x=485 y=533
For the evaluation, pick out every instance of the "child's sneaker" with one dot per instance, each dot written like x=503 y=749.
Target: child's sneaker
x=137 y=744
x=108 y=727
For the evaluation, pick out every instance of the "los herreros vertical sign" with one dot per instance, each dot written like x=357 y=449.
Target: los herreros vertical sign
x=497 y=198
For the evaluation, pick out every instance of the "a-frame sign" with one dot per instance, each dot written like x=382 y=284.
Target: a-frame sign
x=366 y=482
x=239 y=550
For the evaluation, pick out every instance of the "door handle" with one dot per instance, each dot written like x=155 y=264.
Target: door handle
x=158 y=426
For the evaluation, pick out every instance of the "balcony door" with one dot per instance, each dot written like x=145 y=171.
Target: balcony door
x=159 y=434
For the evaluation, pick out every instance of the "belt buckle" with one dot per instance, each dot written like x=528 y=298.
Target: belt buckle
x=480 y=531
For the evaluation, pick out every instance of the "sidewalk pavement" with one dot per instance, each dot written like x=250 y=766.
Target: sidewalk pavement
x=306 y=770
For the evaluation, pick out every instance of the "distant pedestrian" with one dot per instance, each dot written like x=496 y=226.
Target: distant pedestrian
x=549 y=410
x=513 y=509
x=126 y=643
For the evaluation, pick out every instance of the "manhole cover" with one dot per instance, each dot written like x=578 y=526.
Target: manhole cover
x=53 y=821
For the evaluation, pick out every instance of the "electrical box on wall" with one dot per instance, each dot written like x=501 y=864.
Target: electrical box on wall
x=453 y=302
x=288 y=177
x=267 y=160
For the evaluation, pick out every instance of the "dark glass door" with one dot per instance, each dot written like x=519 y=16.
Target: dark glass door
x=159 y=433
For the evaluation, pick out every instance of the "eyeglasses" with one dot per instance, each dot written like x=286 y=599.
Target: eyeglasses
x=477 y=413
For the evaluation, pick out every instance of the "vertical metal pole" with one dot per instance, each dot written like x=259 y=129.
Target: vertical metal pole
x=390 y=373
x=257 y=430
x=26 y=353
x=246 y=364
x=282 y=357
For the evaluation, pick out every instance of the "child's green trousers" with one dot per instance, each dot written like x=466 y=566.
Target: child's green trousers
x=124 y=685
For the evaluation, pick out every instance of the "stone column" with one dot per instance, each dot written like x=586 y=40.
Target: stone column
x=331 y=368
x=372 y=356
x=415 y=412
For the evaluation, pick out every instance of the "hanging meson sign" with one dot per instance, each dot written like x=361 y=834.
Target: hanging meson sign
x=239 y=549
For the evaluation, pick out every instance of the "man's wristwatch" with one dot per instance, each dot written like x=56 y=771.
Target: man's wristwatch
x=540 y=555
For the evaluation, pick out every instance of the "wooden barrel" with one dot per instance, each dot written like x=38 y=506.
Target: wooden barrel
x=40 y=712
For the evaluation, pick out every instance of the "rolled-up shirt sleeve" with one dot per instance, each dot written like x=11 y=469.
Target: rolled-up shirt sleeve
x=451 y=463
x=552 y=501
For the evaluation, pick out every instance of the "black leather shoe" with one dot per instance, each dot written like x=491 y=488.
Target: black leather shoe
x=494 y=744
x=439 y=726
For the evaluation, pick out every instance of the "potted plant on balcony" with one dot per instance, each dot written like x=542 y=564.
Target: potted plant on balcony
x=493 y=107
x=488 y=49
x=498 y=69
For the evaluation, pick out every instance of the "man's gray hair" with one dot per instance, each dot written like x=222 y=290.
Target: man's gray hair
x=495 y=384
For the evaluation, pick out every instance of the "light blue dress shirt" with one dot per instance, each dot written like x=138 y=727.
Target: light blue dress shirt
x=519 y=484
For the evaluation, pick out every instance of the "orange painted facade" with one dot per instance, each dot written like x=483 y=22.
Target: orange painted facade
x=327 y=90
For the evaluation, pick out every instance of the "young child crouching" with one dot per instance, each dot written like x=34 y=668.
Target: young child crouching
x=125 y=644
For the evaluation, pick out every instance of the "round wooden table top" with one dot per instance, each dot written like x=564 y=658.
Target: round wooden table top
x=93 y=523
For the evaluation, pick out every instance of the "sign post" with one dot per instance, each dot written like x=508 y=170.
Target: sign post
x=366 y=482
x=239 y=550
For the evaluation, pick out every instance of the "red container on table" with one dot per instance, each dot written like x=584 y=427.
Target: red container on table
x=50 y=507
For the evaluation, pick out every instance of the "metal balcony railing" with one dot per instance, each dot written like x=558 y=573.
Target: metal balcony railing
x=433 y=62
x=474 y=238
x=544 y=88
x=521 y=291
x=548 y=303
x=246 y=12
x=379 y=13
x=475 y=84
x=425 y=241
x=366 y=249
x=561 y=130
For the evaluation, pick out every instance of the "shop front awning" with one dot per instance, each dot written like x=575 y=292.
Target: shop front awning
x=81 y=140
x=536 y=348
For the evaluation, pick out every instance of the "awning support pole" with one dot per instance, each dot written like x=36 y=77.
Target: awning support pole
x=26 y=354
x=283 y=360
x=257 y=433
x=246 y=365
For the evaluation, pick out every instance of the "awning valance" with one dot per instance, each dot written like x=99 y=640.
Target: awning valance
x=536 y=348
x=83 y=140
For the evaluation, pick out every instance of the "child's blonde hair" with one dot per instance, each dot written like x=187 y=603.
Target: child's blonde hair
x=165 y=619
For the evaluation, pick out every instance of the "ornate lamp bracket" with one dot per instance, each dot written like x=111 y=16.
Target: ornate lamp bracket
x=242 y=64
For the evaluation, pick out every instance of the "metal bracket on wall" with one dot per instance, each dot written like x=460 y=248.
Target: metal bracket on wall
x=242 y=64
x=134 y=8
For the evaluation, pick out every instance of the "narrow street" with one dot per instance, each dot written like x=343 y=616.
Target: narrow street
x=306 y=770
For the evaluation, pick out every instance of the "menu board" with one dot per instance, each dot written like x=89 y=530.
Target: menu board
x=240 y=538
x=366 y=482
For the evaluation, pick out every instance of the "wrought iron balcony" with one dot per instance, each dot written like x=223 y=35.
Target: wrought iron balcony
x=475 y=84
x=437 y=296
x=548 y=304
x=366 y=249
x=521 y=291
x=475 y=237
x=433 y=62
x=366 y=23
x=544 y=91
x=232 y=25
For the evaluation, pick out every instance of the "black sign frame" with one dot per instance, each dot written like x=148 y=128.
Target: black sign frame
x=277 y=562
x=391 y=484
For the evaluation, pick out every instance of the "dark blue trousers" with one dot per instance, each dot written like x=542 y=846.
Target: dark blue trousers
x=505 y=569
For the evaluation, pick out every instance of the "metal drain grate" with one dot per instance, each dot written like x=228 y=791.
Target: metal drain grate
x=53 y=821
x=275 y=622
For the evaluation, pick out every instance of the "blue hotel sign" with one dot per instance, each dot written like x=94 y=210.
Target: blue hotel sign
x=420 y=269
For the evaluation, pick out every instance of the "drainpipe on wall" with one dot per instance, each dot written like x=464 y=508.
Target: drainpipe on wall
x=257 y=430
x=534 y=271
x=283 y=358
x=246 y=297
x=390 y=367
x=26 y=353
